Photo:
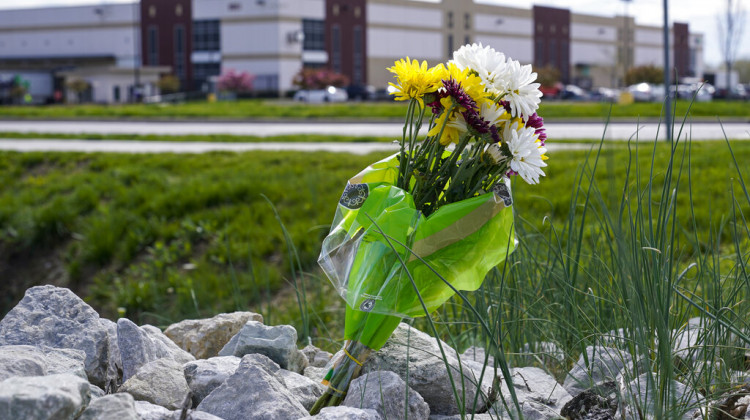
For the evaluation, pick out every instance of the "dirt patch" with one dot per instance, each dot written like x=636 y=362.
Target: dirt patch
x=19 y=271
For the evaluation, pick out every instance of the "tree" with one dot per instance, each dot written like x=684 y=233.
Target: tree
x=235 y=82
x=78 y=87
x=731 y=24
x=644 y=74
x=743 y=70
x=548 y=76
x=319 y=79
x=168 y=84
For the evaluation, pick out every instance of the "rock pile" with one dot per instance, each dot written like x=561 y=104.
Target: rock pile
x=60 y=360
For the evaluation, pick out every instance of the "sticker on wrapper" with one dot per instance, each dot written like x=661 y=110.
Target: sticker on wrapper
x=354 y=195
x=369 y=303
x=503 y=192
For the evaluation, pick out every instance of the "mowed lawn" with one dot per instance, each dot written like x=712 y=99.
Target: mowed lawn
x=165 y=237
x=389 y=110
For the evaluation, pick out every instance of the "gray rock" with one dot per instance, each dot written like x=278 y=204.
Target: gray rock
x=597 y=403
x=148 y=411
x=604 y=364
x=546 y=352
x=252 y=393
x=166 y=347
x=539 y=395
x=477 y=354
x=427 y=371
x=279 y=343
x=40 y=361
x=204 y=338
x=96 y=392
x=139 y=346
x=637 y=400
x=21 y=361
x=304 y=389
x=346 y=413
x=315 y=356
x=68 y=361
x=385 y=393
x=203 y=376
x=686 y=345
x=53 y=397
x=315 y=373
x=114 y=365
x=161 y=382
x=56 y=317
x=115 y=406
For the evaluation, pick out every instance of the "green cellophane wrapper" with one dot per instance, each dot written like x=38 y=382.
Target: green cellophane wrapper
x=377 y=226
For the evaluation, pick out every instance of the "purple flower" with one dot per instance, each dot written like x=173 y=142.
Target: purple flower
x=454 y=90
x=537 y=122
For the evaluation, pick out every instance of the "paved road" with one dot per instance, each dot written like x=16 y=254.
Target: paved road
x=556 y=130
x=129 y=146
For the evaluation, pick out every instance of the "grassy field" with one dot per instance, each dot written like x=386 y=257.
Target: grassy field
x=639 y=239
x=277 y=109
x=169 y=234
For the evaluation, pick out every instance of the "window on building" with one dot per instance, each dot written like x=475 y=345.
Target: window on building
x=314 y=31
x=552 y=53
x=450 y=19
x=153 y=45
x=336 y=48
x=202 y=72
x=467 y=40
x=450 y=45
x=564 y=60
x=467 y=21
x=179 y=53
x=358 y=73
x=266 y=83
x=116 y=93
x=206 y=35
x=539 y=53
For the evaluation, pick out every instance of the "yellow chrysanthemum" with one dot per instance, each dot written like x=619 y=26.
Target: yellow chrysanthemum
x=451 y=132
x=415 y=79
x=470 y=83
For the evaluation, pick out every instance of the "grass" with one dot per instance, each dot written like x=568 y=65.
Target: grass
x=637 y=238
x=284 y=109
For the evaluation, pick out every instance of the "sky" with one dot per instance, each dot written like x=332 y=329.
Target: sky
x=696 y=13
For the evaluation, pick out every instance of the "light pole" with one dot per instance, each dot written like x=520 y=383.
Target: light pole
x=626 y=41
x=667 y=95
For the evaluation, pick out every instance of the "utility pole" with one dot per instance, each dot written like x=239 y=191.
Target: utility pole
x=136 y=51
x=626 y=41
x=667 y=71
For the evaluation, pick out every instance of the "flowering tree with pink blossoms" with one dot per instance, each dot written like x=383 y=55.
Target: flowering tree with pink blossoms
x=236 y=82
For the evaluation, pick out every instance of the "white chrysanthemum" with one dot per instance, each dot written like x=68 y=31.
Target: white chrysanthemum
x=489 y=64
x=526 y=152
x=460 y=124
x=522 y=94
x=495 y=152
x=492 y=113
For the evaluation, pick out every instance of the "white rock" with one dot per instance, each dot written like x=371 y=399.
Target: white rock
x=160 y=382
x=52 y=397
x=204 y=338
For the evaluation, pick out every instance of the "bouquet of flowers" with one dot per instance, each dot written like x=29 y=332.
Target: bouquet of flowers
x=434 y=218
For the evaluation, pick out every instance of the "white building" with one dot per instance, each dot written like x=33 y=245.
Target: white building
x=115 y=47
x=52 y=46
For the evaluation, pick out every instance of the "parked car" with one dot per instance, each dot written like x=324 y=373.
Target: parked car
x=573 y=93
x=642 y=92
x=330 y=94
x=605 y=95
x=360 y=92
